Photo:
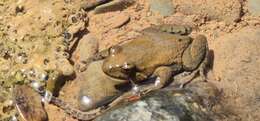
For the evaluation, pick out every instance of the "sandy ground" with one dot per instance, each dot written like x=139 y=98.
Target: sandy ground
x=224 y=23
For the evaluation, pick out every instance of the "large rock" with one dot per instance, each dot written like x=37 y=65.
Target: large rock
x=237 y=63
x=226 y=10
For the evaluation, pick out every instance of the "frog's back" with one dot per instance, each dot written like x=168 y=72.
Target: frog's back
x=148 y=52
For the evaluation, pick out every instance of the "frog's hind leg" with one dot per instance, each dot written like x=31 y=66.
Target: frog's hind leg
x=195 y=58
x=168 y=28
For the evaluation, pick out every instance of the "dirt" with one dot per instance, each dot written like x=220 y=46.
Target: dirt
x=37 y=28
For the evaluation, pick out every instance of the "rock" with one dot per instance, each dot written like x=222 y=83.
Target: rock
x=114 y=5
x=228 y=11
x=240 y=52
x=118 y=21
x=163 y=7
x=237 y=63
x=254 y=7
x=164 y=105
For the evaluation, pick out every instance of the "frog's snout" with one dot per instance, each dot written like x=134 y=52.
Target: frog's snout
x=118 y=71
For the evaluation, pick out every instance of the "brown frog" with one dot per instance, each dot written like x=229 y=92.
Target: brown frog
x=162 y=51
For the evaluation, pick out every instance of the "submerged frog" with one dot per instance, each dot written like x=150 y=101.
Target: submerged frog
x=162 y=51
x=98 y=90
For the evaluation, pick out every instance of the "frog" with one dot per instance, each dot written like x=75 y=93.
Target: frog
x=161 y=51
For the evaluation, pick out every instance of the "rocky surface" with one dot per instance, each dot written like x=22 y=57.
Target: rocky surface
x=240 y=73
x=42 y=37
x=163 y=7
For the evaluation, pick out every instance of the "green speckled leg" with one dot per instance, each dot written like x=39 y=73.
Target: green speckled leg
x=168 y=28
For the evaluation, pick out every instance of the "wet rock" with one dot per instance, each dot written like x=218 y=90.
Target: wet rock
x=163 y=105
x=228 y=11
x=163 y=7
x=237 y=63
x=87 y=47
x=90 y=85
x=254 y=7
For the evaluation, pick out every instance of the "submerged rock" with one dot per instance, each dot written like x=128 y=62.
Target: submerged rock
x=163 y=105
x=163 y=7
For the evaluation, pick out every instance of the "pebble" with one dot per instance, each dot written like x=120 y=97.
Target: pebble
x=163 y=7
x=119 y=20
x=115 y=5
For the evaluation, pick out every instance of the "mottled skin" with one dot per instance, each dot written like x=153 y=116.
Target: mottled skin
x=162 y=51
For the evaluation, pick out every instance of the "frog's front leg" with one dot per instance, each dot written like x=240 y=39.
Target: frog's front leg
x=164 y=75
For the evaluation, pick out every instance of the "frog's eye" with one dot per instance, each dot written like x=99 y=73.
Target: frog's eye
x=127 y=66
x=114 y=49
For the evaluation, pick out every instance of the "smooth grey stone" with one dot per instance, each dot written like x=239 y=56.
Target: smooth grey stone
x=254 y=7
x=163 y=7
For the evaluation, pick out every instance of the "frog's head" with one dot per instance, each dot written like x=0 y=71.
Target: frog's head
x=117 y=64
